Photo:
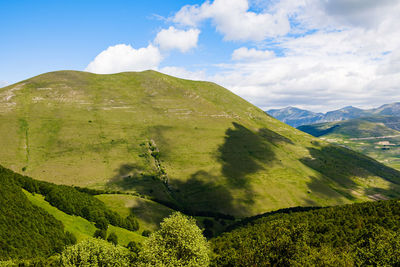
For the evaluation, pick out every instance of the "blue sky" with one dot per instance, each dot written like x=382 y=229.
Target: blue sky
x=40 y=36
x=312 y=54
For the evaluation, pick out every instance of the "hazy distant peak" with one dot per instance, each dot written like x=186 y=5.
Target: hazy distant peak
x=297 y=117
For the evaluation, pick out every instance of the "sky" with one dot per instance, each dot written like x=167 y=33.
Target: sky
x=313 y=54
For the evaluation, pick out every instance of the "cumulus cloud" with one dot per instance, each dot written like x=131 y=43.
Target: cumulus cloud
x=331 y=59
x=233 y=19
x=122 y=57
x=245 y=54
x=335 y=53
x=320 y=72
x=173 y=38
x=359 y=12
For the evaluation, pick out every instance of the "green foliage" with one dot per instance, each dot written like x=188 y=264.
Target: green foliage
x=146 y=233
x=96 y=252
x=75 y=202
x=112 y=238
x=379 y=247
x=179 y=242
x=26 y=231
x=102 y=224
x=100 y=233
x=357 y=234
x=134 y=247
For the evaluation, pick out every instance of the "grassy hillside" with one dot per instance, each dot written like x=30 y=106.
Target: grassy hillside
x=148 y=213
x=377 y=137
x=81 y=227
x=192 y=144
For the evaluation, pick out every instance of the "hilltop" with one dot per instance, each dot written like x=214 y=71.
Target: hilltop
x=192 y=145
x=297 y=117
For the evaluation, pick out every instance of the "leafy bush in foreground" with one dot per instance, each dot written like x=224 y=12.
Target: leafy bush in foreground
x=96 y=252
x=179 y=242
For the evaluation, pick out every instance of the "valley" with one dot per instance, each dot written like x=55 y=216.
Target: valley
x=377 y=137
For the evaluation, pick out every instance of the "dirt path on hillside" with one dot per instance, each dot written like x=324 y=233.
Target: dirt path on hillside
x=375 y=137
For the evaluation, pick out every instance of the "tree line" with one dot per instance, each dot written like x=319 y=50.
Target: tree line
x=75 y=202
x=357 y=234
x=27 y=231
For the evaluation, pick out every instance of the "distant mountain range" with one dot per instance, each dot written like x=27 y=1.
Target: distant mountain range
x=296 y=117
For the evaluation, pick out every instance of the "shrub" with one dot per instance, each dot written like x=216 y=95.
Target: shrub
x=96 y=252
x=146 y=233
x=112 y=238
x=179 y=242
x=134 y=247
x=100 y=233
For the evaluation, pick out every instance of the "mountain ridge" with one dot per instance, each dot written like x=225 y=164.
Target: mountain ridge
x=297 y=117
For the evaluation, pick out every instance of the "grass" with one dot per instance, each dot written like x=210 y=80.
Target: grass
x=220 y=153
x=354 y=134
x=81 y=227
x=148 y=213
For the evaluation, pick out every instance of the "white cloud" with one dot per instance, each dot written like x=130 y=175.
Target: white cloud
x=173 y=38
x=321 y=72
x=332 y=59
x=183 y=73
x=334 y=56
x=233 y=19
x=245 y=54
x=359 y=12
x=122 y=57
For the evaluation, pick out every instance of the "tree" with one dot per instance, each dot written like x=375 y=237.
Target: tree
x=100 y=234
x=96 y=252
x=134 y=247
x=101 y=223
x=146 y=233
x=113 y=238
x=179 y=242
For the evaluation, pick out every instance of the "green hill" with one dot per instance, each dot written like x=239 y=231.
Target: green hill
x=194 y=145
x=38 y=219
x=26 y=231
x=375 y=136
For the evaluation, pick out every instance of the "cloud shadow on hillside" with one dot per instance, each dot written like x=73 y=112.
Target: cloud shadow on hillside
x=339 y=165
x=131 y=177
x=244 y=151
x=201 y=193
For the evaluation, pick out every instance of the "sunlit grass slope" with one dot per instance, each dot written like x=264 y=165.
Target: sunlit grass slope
x=377 y=136
x=191 y=143
x=81 y=227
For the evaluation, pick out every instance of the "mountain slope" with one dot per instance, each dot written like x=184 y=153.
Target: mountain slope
x=295 y=116
x=26 y=231
x=193 y=144
x=298 y=117
x=376 y=136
